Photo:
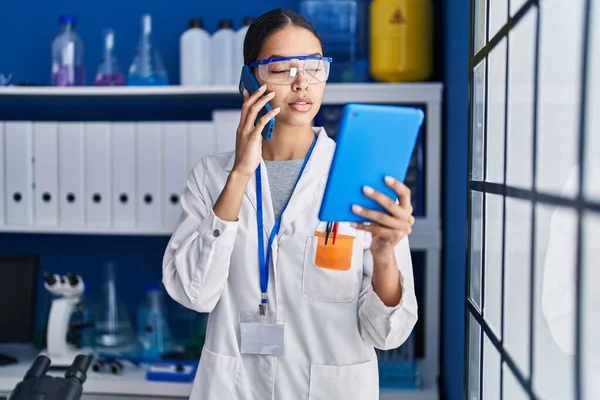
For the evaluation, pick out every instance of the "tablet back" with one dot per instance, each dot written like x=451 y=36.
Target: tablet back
x=372 y=141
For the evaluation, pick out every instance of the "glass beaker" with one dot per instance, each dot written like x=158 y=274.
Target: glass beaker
x=147 y=68
x=109 y=72
x=114 y=331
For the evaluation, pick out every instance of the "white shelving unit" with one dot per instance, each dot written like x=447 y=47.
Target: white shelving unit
x=427 y=229
x=426 y=236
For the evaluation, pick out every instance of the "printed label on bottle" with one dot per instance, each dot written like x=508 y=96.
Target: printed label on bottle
x=397 y=17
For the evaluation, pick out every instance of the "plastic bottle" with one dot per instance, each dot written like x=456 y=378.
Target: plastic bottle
x=147 y=68
x=153 y=330
x=343 y=27
x=109 y=72
x=240 y=35
x=67 y=55
x=223 y=49
x=401 y=40
x=195 y=61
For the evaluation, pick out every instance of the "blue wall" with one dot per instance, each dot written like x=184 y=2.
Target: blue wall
x=137 y=261
x=456 y=38
x=28 y=28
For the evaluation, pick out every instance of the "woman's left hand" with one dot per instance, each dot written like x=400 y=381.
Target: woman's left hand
x=388 y=228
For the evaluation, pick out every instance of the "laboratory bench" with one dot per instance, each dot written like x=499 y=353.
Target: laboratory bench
x=132 y=383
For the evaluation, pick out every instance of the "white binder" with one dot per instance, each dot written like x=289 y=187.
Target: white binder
x=18 y=173
x=123 y=170
x=45 y=173
x=97 y=174
x=226 y=124
x=149 y=193
x=202 y=141
x=175 y=169
x=70 y=173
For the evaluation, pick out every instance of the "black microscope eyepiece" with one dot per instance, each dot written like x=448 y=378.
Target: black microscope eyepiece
x=72 y=278
x=79 y=367
x=38 y=368
x=49 y=278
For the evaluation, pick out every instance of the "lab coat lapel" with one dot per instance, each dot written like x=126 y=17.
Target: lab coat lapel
x=250 y=193
x=312 y=182
x=267 y=201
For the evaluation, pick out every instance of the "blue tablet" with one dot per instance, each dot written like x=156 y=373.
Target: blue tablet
x=372 y=141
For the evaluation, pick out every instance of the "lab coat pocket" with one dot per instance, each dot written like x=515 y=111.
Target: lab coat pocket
x=348 y=382
x=334 y=256
x=329 y=273
x=216 y=376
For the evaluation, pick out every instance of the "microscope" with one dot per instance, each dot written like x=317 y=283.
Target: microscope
x=67 y=291
x=36 y=385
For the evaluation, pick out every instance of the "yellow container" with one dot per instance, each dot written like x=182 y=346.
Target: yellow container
x=401 y=40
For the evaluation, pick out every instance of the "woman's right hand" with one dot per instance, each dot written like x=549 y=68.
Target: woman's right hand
x=248 y=145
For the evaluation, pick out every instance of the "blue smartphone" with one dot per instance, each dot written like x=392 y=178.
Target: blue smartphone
x=249 y=82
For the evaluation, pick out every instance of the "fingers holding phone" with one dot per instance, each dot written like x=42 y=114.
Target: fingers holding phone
x=255 y=107
x=248 y=149
x=249 y=101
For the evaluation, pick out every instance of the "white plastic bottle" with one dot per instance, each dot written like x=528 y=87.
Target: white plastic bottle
x=223 y=44
x=240 y=35
x=195 y=55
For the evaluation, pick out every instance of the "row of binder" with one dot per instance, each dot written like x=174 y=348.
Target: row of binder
x=102 y=175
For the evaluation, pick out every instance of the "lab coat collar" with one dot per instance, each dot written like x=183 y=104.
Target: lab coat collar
x=310 y=186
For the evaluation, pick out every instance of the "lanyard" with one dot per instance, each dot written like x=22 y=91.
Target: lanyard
x=263 y=262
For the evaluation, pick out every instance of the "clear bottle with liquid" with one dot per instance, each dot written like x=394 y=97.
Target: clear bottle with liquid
x=67 y=54
x=109 y=72
x=147 y=68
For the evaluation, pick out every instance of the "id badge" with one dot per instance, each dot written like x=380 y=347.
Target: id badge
x=261 y=334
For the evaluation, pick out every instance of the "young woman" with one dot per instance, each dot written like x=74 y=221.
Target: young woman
x=250 y=243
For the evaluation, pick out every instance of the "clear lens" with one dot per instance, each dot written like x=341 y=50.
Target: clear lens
x=286 y=72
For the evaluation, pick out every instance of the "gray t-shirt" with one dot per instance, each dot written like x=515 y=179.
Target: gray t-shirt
x=282 y=178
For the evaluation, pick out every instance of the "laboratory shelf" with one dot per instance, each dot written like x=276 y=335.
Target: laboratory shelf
x=335 y=93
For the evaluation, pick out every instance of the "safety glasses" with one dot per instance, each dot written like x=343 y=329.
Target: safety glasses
x=285 y=70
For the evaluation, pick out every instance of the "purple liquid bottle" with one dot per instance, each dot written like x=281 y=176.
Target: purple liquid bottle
x=109 y=72
x=67 y=55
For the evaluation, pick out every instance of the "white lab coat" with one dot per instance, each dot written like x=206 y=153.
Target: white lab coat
x=333 y=319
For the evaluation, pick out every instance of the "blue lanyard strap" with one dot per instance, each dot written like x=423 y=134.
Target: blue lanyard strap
x=263 y=262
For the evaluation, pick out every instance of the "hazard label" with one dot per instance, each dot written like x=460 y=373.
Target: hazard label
x=397 y=17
